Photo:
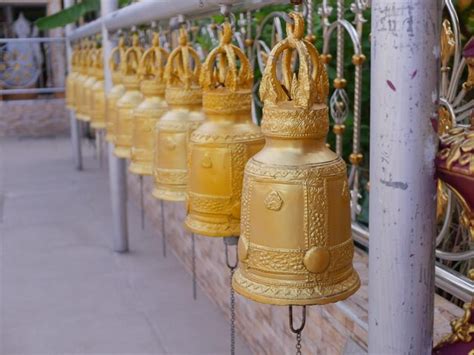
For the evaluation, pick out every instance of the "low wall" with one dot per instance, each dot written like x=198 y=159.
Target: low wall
x=265 y=328
x=33 y=118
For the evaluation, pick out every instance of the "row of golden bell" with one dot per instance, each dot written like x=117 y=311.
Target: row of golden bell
x=278 y=187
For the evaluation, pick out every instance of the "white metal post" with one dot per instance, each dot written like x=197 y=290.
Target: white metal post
x=404 y=93
x=74 y=124
x=117 y=167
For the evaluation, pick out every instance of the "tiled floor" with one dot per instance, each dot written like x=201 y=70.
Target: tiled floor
x=64 y=291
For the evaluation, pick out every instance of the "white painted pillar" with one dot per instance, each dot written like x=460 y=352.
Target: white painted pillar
x=117 y=166
x=73 y=123
x=404 y=91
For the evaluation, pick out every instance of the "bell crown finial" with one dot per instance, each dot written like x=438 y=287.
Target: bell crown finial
x=221 y=68
x=130 y=62
x=153 y=61
x=182 y=75
x=295 y=101
x=304 y=88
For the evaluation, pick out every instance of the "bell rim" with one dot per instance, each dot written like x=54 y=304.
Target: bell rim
x=316 y=301
x=211 y=229
x=167 y=195
x=122 y=152
x=139 y=168
x=98 y=125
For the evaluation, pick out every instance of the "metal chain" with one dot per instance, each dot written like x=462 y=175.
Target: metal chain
x=298 y=343
x=163 y=234
x=232 y=314
x=298 y=330
x=142 y=203
x=193 y=264
x=231 y=241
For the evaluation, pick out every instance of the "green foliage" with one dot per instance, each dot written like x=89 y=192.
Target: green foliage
x=72 y=14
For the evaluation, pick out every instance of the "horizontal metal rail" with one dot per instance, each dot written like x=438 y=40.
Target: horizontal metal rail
x=147 y=11
x=448 y=280
x=31 y=91
x=33 y=40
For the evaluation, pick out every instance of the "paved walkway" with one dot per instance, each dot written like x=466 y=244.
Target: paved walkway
x=63 y=291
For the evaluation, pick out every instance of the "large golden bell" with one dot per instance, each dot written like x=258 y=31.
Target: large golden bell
x=146 y=115
x=70 y=80
x=129 y=101
x=97 y=109
x=80 y=80
x=117 y=90
x=295 y=246
x=184 y=97
x=222 y=145
x=87 y=87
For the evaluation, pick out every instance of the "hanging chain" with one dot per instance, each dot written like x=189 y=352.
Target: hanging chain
x=231 y=241
x=142 y=203
x=193 y=265
x=163 y=234
x=298 y=330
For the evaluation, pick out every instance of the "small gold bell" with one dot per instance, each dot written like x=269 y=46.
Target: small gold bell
x=117 y=90
x=70 y=80
x=88 y=84
x=295 y=247
x=184 y=97
x=152 y=86
x=221 y=146
x=97 y=110
x=129 y=101
x=81 y=79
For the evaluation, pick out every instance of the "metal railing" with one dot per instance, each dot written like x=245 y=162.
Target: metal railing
x=340 y=29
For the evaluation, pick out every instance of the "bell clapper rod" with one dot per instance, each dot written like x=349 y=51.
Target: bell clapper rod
x=228 y=241
x=193 y=264
x=142 y=202
x=298 y=330
x=163 y=231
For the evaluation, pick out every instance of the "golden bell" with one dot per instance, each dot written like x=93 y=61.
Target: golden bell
x=97 y=109
x=152 y=86
x=116 y=92
x=129 y=101
x=295 y=246
x=221 y=146
x=70 y=80
x=88 y=84
x=80 y=80
x=184 y=97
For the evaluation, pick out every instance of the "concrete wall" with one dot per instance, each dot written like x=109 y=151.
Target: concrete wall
x=328 y=328
x=33 y=118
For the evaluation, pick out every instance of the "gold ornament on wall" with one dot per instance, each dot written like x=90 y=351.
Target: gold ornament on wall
x=296 y=245
x=129 y=101
x=146 y=115
x=184 y=98
x=222 y=145
x=117 y=90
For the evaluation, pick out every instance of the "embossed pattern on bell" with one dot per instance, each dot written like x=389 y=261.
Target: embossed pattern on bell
x=146 y=115
x=129 y=101
x=171 y=134
x=295 y=246
x=223 y=144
